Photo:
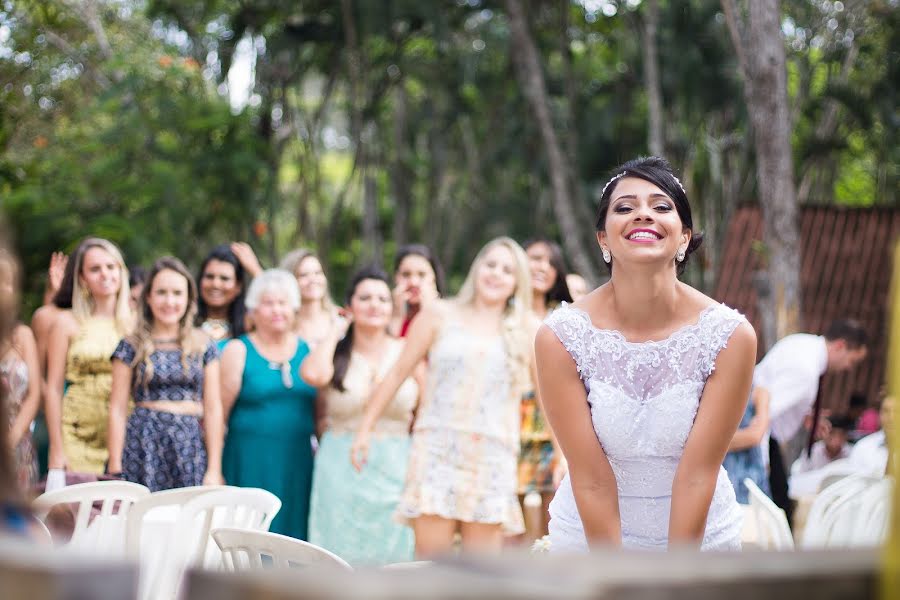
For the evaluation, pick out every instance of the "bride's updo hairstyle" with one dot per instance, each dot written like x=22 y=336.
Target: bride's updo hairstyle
x=659 y=172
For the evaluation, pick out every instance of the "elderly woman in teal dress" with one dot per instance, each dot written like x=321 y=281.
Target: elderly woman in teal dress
x=351 y=512
x=269 y=409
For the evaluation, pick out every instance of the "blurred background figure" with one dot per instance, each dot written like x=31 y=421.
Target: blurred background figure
x=539 y=457
x=269 y=409
x=171 y=370
x=137 y=277
x=833 y=447
x=462 y=466
x=318 y=314
x=745 y=457
x=79 y=372
x=351 y=512
x=577 y=285
x=418 y=279
x=220 y=304
x=20 y=378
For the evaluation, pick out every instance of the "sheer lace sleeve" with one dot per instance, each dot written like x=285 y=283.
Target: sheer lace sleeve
x=720 y=324
x=573 y=328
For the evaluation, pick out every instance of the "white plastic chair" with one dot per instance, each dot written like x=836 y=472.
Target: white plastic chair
x=166 y=505
x=189 y=542
x=243 y=550
x=773 y=531
x=104 y=535
x=871 y=527
x=831 y=519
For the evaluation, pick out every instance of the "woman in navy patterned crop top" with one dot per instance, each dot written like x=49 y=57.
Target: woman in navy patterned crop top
x=171 y=370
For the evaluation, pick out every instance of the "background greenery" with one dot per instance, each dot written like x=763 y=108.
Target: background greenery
x=375 y=122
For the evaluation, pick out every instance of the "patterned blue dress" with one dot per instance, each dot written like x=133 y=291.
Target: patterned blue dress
x=745 y=463
x=164 y=450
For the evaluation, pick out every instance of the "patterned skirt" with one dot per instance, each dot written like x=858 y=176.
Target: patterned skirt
x=163 y=450
x=350 y=512
x=461 y=476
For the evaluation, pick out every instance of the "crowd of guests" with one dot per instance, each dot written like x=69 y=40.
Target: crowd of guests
x=388 y=425
x=403 y=422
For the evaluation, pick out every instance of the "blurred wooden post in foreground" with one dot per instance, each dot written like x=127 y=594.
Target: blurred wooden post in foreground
x=891 y=577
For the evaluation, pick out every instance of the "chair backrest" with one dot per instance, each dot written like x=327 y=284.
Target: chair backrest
x=772 y=527
x=873 y=519
x=175 y=498
x=830 y=517
x=244 y=549
x=105 y=533
x=189 y=543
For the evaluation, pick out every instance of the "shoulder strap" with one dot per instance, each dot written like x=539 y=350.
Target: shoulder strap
x=574 y=329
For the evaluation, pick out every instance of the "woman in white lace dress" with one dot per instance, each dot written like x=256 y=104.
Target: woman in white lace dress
x=644 y=382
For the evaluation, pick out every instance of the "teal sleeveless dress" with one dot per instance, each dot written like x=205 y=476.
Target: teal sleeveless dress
x=268 y=441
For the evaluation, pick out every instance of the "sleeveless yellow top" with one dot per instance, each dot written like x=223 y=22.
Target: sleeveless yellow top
x=85 y=409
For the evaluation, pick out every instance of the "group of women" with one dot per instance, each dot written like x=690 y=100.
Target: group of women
x=256 y=378
x=426 y=411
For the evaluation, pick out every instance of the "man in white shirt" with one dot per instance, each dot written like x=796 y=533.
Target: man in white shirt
x=790 y=371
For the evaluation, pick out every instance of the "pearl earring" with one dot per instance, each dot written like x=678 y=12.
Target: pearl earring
x=681 y=254
x=607 y=257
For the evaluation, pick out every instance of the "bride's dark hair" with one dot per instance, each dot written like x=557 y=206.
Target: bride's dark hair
x=659 y=172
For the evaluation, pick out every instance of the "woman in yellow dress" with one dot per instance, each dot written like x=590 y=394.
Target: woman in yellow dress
x=78 y=358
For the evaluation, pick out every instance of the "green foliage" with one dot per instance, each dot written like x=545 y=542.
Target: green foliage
x=135 y=138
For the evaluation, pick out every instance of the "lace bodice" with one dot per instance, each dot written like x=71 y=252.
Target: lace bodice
x=643 y=398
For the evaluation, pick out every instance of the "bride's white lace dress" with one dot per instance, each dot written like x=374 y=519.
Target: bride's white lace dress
x=643 y=398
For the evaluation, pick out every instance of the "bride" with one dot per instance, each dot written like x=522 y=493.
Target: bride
x=644 y=382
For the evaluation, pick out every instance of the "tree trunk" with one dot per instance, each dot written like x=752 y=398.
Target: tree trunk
x=400 y=172
x=652 y=86
x=760 y=49
x=531 y=80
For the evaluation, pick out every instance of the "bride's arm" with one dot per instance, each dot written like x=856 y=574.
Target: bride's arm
x=565 y=402
x=722 y=405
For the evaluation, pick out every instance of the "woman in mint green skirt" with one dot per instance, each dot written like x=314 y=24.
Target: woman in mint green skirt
x=270 y=411
x=351 y=512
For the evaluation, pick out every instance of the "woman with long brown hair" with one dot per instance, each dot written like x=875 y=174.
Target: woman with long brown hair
x=171 y=369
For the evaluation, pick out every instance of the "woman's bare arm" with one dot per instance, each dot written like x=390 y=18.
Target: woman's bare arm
x=119 y=393
x=721 y=408
x=23 y=341
x=421 y=335
x=753 y=434
x=564 y=399
x=213 y=423
x=231 y=373
x=57 y=350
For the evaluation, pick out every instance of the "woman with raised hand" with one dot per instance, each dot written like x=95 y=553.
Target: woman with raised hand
x=318 y=315
x=462 y=467
x=418 y=279
x=221 y=285
x=269 y=409
x=81 y=342
x=644 y=381
x=173 y=438
x=348 y=369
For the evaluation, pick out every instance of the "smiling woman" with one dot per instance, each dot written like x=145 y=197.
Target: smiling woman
x=644 y=381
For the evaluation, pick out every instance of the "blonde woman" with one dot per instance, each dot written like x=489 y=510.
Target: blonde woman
x=318 y=314
x=462 y=466
x=81 y=341
x=171 y=369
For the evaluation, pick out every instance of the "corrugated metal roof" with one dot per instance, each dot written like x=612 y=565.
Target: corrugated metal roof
x=845 y=273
